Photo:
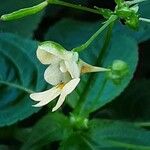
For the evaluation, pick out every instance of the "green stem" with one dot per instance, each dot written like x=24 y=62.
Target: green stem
x=106 y=44
x=79 y=109
x=17 y=86
x=142 y=124
x=134 y=2
x=86 y=44
x=62 y=3
x=144 y=20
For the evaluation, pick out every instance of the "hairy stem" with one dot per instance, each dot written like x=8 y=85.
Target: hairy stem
x=62 y=3
x=17 y=86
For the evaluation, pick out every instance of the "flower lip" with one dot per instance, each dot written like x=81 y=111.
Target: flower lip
x=61 y=89
x=67 y=89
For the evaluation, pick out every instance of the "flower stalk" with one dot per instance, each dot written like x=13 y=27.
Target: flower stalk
x=93 y=37
x=144 y=20
x=70 y=5
x=134 y=2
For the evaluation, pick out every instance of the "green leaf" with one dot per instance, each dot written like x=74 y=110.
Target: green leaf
x=93 y=90
x=119 y=134
x=119 y=2
x=24 y=26
x=52 y=127
x=20 y=74
x=109 y=135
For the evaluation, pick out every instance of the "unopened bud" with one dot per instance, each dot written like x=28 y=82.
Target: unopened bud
x=128 y=14
x=133 y=22
x=119 y=70
x=24 y=12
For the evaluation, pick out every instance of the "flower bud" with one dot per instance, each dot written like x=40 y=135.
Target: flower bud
x=119 y=70
x=124 y=12
x=133 y=22
x=129 y=14
x=79 y=122
x=24 y=12
x=106 y=13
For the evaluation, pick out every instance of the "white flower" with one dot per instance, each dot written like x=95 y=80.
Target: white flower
x=63 y=72
x=61 y=89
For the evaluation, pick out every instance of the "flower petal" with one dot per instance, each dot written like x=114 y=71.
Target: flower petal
x=67 y=89
x=63 y=67
x=75 y=56
x=66 y=77
x=70 y=86
x=53 y=75
x=46 y=96
x=59 y=102
x=73 y=69
x=56 y=49
x=46 y=57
